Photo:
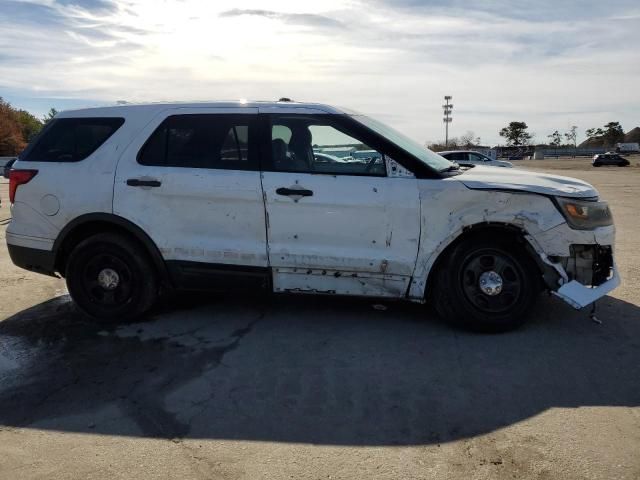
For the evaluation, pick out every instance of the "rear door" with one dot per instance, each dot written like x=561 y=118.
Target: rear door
x=336 y=224
x=191 y=182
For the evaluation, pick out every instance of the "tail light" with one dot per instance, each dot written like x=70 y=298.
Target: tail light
x=17 y=178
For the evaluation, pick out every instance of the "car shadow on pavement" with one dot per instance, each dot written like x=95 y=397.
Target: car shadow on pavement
x=308 y=369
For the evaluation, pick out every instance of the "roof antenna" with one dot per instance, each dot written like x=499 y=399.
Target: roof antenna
x=284 y=99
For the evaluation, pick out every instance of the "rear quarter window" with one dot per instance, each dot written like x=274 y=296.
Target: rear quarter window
x=71 y=139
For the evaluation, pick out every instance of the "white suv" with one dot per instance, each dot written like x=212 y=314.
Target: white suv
x=127 y=201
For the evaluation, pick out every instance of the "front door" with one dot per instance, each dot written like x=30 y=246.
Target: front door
x=336 y=222
x=194 y=188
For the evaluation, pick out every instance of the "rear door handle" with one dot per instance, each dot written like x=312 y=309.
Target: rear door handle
x=294 y=191
x=137 y=182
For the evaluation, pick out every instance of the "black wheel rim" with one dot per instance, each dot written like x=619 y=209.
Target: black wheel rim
x=107 y=294
x=483 y=289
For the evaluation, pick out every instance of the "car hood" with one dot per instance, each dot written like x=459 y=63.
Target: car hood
x=502 y=162
x=489 y=178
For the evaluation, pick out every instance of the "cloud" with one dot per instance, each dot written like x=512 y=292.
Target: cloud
x=91 y=5
x=530 y=11
x=304 y=19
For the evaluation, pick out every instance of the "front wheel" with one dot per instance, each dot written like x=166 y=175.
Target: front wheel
x=111 y=278
x=487 y=285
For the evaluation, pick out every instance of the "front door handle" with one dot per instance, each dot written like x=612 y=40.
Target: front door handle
x=301 y=192
x=137 y=182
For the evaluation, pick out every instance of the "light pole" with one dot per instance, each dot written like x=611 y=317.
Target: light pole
x=447 y=107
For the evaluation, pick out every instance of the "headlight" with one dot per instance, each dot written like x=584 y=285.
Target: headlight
x=585 y=214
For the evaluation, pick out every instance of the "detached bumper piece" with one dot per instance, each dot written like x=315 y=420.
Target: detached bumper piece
x=593 y=272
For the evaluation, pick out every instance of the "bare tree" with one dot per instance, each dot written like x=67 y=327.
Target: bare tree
x=469 y=139
x=556 y=139
x=572 y=136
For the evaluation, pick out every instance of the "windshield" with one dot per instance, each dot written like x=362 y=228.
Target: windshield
x=423 y=154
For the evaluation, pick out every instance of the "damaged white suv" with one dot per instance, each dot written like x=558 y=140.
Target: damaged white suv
x=127 y=201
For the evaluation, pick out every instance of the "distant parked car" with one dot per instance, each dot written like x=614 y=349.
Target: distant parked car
x=469 y=157
x=609 y=158
x=326 y=158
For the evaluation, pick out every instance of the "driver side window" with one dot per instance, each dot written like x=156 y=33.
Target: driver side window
x=477 y=158
x=305 y=144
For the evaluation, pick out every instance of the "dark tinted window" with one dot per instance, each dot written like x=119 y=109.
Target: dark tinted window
x=316 y=145
x=71 y=139
x=200 y=141
x=456 y=156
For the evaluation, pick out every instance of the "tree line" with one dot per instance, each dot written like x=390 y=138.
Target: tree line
x=468 y=140
x=517 y=134
x=18 y=127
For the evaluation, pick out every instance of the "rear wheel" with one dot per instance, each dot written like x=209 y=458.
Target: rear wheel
x=486 y=285
x=110 y=278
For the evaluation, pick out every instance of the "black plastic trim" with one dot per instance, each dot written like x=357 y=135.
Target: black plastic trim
x=187 y=275
x=33 y=259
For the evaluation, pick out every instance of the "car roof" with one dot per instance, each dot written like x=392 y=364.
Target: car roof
x=125 y=109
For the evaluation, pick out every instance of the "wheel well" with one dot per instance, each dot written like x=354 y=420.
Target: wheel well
x=505 y=230
x=80 y=230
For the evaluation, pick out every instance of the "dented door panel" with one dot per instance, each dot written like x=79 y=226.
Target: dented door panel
x=295 y=280
x=203 y=215
x=349 y=225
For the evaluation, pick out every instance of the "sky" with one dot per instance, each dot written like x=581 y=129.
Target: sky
x=552 y=64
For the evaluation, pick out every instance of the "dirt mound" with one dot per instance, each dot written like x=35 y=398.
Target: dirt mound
x=632 y=136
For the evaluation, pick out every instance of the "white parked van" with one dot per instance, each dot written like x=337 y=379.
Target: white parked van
x=126 y=201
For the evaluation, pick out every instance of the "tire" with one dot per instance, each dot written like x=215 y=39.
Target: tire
x=597 y=164
x=110 y=278
x=459 y=297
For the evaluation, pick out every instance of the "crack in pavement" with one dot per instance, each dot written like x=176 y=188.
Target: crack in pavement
x=82 y=370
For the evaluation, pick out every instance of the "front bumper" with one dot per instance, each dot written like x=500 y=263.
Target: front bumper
x=579 y=296
x=579 y=263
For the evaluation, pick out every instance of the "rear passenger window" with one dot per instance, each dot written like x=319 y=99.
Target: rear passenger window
x=200 y=141
x=71 y=139
x=457 y=157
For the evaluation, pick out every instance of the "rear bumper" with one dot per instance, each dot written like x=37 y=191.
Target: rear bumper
x=33 y=259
